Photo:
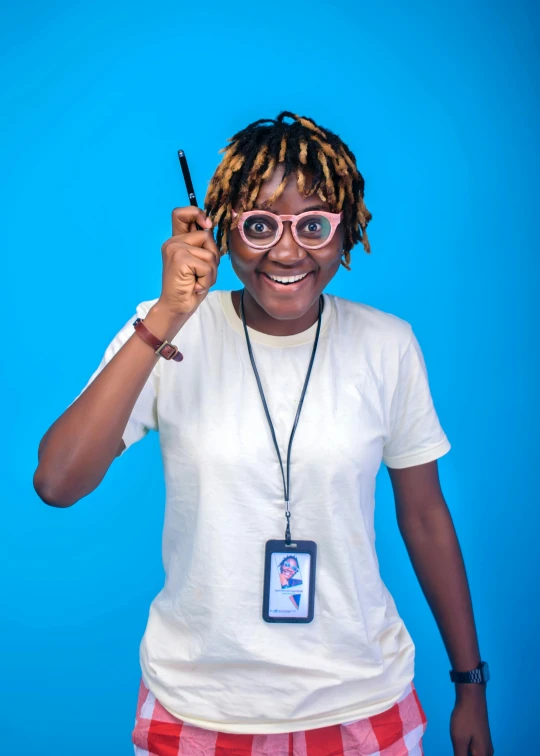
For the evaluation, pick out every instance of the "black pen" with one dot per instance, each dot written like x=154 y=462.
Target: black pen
x=188 y=182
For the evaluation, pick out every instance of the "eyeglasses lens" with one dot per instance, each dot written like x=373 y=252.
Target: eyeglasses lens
x=313 y=230
x=260 y=230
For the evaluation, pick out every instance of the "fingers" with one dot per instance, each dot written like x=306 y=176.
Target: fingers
x=204 y=255
x=461 y=747
x=190 y=258
x=196 y=241
x=189 y=263
x=203 y=240
x=184 y=219
x=203 y=271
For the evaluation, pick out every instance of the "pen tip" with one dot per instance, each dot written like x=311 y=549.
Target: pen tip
x=180 y=153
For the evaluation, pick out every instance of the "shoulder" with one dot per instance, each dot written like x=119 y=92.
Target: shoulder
x=376 y=328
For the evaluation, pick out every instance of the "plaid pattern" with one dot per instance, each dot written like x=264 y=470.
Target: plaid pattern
x=395 y=732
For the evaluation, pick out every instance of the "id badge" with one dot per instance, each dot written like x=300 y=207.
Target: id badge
x=289 y=581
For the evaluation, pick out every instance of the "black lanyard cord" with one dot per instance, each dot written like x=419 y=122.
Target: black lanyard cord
x=287 y=485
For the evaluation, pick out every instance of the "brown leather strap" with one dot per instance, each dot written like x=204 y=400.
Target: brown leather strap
x=164 y=348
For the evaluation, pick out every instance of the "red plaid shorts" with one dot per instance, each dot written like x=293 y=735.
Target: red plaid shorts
x=395 y=732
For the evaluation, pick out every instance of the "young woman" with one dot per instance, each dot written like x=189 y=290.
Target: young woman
x=272 y=427
x=288 y=568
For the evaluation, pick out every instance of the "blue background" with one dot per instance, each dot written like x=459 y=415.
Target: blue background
x=439 y=103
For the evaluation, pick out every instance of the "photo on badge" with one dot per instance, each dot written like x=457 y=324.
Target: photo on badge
x=289 y=581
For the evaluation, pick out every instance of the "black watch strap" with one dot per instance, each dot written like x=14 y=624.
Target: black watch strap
x=479 y=674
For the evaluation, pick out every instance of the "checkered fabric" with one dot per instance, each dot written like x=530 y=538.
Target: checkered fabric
x=395 y=732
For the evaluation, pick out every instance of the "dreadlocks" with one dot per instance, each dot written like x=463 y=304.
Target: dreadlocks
x=303 y=147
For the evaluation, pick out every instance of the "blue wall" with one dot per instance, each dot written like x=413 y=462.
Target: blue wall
x=439 y=102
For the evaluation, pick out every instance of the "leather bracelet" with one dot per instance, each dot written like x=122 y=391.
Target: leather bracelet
x=163 y=348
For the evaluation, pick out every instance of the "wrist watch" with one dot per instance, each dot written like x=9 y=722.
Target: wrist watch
x=479 y=674
x=164 y=348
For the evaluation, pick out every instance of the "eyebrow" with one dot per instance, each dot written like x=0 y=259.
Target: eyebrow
x=305 y=210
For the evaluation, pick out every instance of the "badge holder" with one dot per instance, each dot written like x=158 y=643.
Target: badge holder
x=289 y=581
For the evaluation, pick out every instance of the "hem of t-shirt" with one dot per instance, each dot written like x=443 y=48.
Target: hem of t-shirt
x=420 y=457
x=295 y=339
x=280 y=728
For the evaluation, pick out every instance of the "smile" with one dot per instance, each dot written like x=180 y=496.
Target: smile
x=285 y=280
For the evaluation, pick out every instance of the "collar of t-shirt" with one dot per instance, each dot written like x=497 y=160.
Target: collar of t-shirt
x=295 y=339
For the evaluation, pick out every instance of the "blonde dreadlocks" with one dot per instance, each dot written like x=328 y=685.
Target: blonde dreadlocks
x=303 y=147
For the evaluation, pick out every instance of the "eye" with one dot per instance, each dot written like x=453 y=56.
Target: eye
x=314 y=229
x=260 y=227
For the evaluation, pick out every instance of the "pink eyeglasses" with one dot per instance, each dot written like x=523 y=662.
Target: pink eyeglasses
x=313 y=229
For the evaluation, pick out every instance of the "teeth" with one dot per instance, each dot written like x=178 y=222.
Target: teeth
x=286 y=279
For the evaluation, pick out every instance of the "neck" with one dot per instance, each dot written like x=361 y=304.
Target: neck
x=259 y=320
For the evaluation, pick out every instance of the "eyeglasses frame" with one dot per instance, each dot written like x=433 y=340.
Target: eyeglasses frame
x=288 y=567
x=333 y=218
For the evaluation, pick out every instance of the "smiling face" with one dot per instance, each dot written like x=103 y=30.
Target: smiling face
x=293 y=305
x=288 y=567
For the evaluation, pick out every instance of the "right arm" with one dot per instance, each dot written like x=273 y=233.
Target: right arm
x=78 y=449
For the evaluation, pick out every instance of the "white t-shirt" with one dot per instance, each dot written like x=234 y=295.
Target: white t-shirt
x=207 y=654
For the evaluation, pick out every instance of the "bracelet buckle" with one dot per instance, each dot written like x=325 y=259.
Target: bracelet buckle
x=173 y=350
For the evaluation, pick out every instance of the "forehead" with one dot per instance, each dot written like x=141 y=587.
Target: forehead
x=290 y=201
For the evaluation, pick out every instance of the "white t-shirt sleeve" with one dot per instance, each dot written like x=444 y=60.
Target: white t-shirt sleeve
x=144 y=414
x=416 y=435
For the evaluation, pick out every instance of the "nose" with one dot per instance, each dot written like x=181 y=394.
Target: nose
x=287 y=251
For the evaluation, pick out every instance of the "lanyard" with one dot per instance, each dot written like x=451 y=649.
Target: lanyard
x=287 y=485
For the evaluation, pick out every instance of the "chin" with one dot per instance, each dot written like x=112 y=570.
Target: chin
x=289 y=302
x=285 y=308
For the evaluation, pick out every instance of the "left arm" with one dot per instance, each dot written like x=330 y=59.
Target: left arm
x=428 y=531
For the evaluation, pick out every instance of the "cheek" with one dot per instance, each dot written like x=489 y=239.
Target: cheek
x=241 y=256
x=333 y=254
x=330 y=263
x=340 y=240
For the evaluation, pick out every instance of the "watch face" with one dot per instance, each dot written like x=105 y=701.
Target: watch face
x=485 y=670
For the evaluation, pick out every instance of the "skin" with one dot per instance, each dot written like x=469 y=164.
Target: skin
x=293 y=308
